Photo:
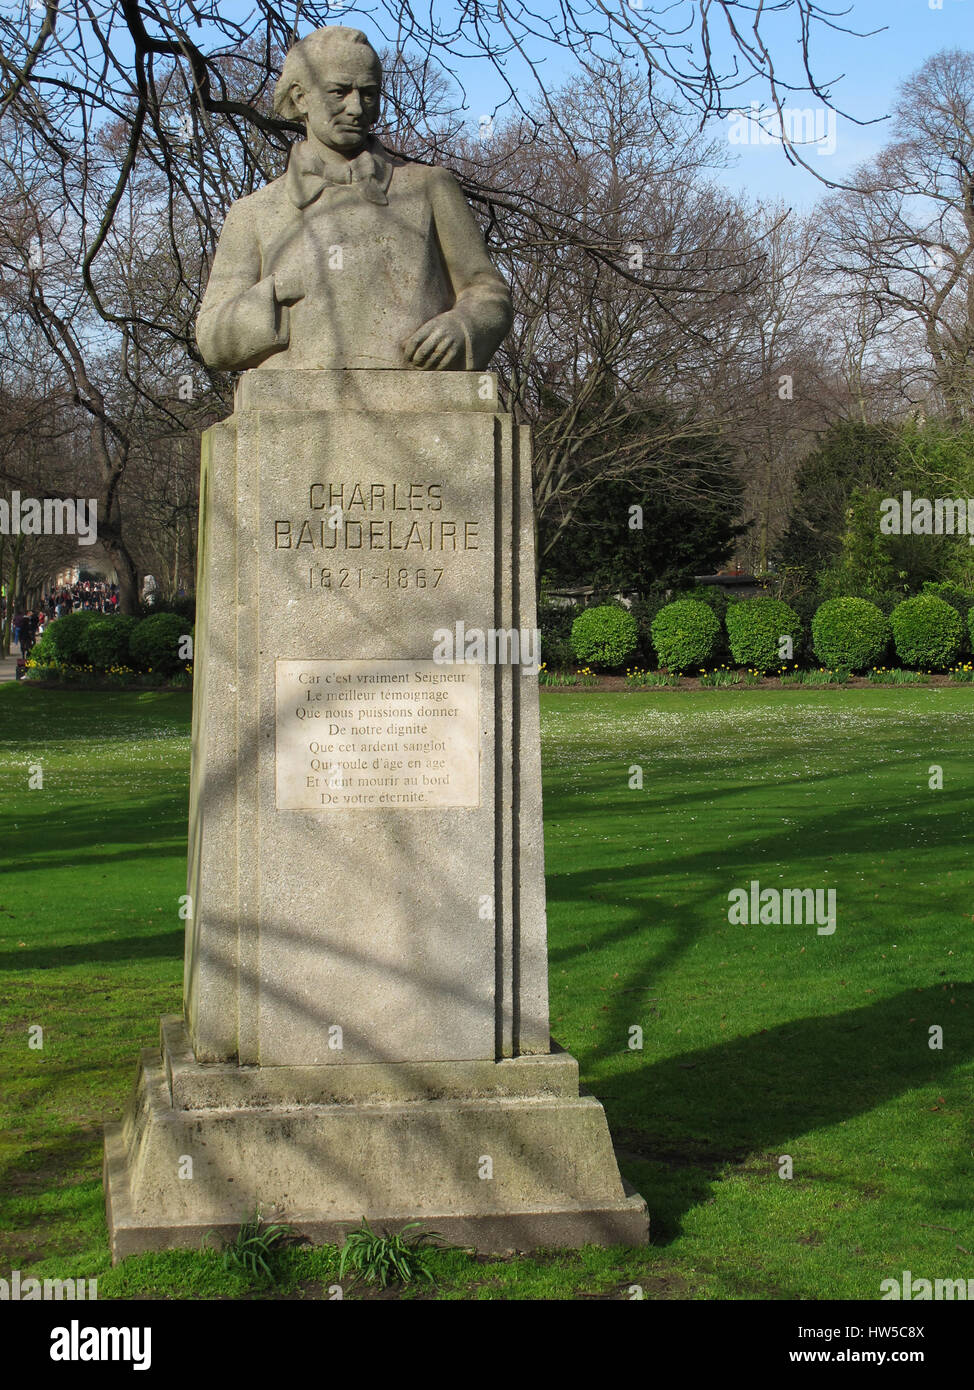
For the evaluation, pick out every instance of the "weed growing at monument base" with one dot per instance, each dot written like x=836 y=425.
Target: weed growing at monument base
x=255 y=1246
x=382 y=1258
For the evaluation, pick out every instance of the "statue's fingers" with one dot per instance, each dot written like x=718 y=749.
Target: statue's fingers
x=411 y=344
x=442 y=353
x=432 y=344
x=416 y=340
x=422 y=350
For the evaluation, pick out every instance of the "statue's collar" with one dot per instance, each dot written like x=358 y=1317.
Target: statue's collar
x=309 y=173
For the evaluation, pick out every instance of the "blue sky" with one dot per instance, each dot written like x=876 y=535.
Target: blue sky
x=862 y=75
x=873 y=68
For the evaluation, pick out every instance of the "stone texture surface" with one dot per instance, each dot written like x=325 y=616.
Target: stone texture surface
x=355 y=257
x=321 y=1167
x=421 y=935
x=220 y=1085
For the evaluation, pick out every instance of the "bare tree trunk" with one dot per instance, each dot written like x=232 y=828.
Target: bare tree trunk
x=12 y=595
x=765 y=518
x=128 y=578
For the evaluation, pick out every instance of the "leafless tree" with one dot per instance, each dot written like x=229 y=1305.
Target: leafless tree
x=771 y=370
x=138 y=123
x=130 y=385
x=902 y=238
x=183 y=86
x=621 y=297
x=41 y=457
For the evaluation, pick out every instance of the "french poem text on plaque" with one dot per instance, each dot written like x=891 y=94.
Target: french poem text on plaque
x=377 y=735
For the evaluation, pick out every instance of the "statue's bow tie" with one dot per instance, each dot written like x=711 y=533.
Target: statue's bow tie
x=308 y=176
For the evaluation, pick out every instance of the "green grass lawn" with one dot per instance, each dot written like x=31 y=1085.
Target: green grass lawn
x=758 y=1041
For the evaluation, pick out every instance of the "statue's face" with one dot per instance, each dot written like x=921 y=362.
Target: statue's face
x=343 y=104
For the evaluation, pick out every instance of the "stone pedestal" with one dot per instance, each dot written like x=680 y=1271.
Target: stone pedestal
x=366 y=1018
x=321 y=1147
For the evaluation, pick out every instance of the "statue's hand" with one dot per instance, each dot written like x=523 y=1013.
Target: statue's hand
x=438 y=345
x=288 y=287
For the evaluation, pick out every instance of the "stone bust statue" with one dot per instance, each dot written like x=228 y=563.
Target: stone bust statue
x=354 y=257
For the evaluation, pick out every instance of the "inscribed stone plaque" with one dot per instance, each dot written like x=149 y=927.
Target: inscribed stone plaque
x=377 y=735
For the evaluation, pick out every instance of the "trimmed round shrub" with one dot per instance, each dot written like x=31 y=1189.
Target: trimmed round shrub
x=959 y=598
x=927 y=632
x=154 y=643
x=604 y=636
x=710 y=594
x=850 y=632
x=107 y=641
x=686 y=635
x=755 y=628
x=67 y=637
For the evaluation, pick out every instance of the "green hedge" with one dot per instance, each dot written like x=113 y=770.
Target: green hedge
x=927 y=631
x=850 y=632
x=755 y=627
x=155 y=643
x=106 y=642
x=686 y=635
x=42 y=653
x=604 y=635
x=65 y=639
x=959 y=598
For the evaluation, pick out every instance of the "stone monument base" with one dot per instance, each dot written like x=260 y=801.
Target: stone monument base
x=321 y=1147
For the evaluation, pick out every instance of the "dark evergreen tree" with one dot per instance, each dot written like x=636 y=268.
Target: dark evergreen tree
x=634 y=536
x=849 y=456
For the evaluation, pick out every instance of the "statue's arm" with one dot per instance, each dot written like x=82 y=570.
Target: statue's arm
x=483 y=300
x=241 y=320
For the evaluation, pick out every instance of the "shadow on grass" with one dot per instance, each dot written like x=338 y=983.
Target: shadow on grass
x=82 y=835
x=708 y=1109
x=758 y=1095
x=150 y=946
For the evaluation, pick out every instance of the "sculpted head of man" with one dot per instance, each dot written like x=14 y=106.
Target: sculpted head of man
x=332 y=80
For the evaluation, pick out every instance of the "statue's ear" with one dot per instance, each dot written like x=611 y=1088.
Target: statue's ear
x=294 y=104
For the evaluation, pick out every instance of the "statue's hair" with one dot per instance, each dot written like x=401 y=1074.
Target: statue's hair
x=303 y=63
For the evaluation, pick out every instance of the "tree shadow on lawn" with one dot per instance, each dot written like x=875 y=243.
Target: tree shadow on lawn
x=82 y=834
x=758 y=1095
x=700 y=1111
x=106 y=848
x=31 y=715
x=818 y=840
x=152 y=945
x=590 y=799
